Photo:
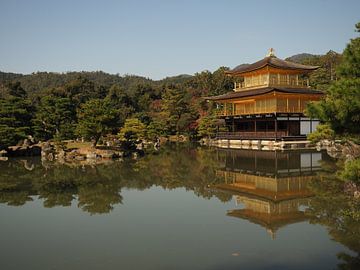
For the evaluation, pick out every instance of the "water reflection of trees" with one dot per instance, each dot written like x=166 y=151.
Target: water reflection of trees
x=97 y=188
x=339 y=212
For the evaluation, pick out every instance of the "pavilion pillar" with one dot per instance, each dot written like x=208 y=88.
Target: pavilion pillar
x=287 y=104
x=233 y=125
x=276 y=128
x=287 y=127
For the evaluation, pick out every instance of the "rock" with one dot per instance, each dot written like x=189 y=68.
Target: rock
x=140 y=146
x=47 y=151
x=26 y=143
x=357 y=194
x=71 y=155
x=91 y=155
x=157 y=145
x=80 y=157
x=61 y=154
x=137 y=154
x=28 y=165
x=31 y=139
x=119 y=154
x=46 y=147
x=108 y=154
x=3 y=158
x=348 y=150
x=50 y=156
x=3 y=153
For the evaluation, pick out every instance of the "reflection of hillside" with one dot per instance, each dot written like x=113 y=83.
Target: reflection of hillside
x=271 y=187
x=96 y=188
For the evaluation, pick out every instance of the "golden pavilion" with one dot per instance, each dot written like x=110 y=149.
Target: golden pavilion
x=268 y=101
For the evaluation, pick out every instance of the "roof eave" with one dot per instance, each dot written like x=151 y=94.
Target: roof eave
x=305 y=70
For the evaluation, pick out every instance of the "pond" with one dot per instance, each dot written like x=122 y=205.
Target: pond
x=184 y=207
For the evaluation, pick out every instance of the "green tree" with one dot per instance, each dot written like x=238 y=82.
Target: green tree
x=351 y=171
x=118 y=99
x=176 y=110
x=15 y=120
x=350 y=66
x=341 y=106
x=155 y=129
x=323 y=131
x=215 y=83
x=96 y=118
x=55 y=118
x=15 y=89
x=133 y=130
x=208 y=126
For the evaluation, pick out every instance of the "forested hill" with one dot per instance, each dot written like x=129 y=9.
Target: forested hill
x=7 y=76
x=298 y=58
x=35 y=82
x=328 y=63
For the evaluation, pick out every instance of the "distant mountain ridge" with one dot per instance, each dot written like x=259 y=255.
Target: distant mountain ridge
x=298 y=58
x=44 y=80
x=6 y=76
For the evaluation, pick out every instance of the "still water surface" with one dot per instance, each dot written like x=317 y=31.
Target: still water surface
x=184 y=207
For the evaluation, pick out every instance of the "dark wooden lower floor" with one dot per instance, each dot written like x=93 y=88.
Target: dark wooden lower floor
x=269 y=135
x=261 y=127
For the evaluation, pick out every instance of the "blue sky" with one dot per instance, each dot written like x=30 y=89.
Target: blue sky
x=156 y=39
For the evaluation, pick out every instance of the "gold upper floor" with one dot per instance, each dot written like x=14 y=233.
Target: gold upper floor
x=270 y=80
x=268 y=103
x=271 y=72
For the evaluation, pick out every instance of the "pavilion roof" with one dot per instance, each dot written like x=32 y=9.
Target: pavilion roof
x=272 y=61
x=265 y=90
x=269 y=221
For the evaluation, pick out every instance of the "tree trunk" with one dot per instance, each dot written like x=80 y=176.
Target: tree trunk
x=95 y=141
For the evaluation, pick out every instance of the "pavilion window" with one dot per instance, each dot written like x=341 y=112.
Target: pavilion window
x=264 y=79
x=273 y=79
x=270 y=104
x=292 y=79
x=282 y=125
x=293 y=105
x=281 y=105
x=270 y=126
x=261 y=126
x=283 y=79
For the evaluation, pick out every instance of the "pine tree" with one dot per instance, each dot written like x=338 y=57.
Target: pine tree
x=55 y=118
x=341 y=106
x=96 y=118
x=133 y=130
x=15 y=120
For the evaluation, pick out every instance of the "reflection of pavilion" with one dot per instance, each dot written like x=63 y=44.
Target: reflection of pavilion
x=271 y=186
